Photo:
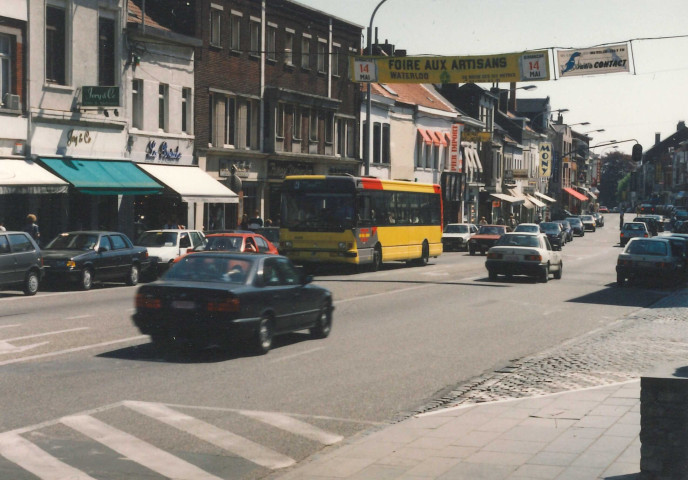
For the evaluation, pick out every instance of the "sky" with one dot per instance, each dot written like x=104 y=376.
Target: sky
x=651 y=99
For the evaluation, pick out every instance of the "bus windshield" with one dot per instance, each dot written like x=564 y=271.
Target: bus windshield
x=317 y=211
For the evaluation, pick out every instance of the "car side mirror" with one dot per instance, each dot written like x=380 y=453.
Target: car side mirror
x=102 y=249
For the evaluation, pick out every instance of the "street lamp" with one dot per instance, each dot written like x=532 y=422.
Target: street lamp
x=594 y=131
x=581 y=123
x=369 y=101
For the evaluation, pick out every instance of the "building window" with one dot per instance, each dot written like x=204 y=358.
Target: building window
x=428 y=155
x=313 y=126
x=5 y=67
x=186 y=110
x=350 y=138
x=271 y=42
x=215 y=27
x=55 y=46
x=288 y=47
x=230 y=121
x=341 y=137
x=377 y=141
x=419 y=151
x=163 y=91
x=137 y=104
x=279 y=121
x=335 y=59
x=322 y=57
x=305 y=52
x=255 y=37
x=386 y=144
x=106 y=51
x=329 y=128
x=297 y=122
x=436 y=156
x=235 y=32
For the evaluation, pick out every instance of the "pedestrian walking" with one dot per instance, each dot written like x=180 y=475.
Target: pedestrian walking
x=32 y=227
x=511 y=223
x=482 y=221
x=621 y=221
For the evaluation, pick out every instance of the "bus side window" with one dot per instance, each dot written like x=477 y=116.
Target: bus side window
x=364 y=214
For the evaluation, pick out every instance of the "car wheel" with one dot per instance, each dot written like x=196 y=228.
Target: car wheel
x=620 y=280
x=471 y=250
x=559 y=272
x=31 y=283
x=262 y=341
x=323 y=325
x=493 y=276
x=86 y=279
x=544 y=274
x=133 y=276
x=377 y=259
x=594 y=229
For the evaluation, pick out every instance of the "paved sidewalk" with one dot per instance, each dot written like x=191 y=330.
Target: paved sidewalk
x=585 y=434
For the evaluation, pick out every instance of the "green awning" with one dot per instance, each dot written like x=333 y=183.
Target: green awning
x=103 y=177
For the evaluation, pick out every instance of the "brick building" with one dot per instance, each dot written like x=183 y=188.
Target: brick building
x=272 y=98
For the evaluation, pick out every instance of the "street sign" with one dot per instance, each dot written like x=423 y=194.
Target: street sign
x=365 y=70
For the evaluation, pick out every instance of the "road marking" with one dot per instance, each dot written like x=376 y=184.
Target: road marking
x=8 y=326
x=78 y=317
x=292 y=425
x=32 y=459
x=44 y=334
x=137 y=450
x=381 y=294
x=72 y=350
x=294 y=355
x=9 y=348
x=229 y=441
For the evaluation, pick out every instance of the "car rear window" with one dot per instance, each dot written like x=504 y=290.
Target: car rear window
x=640 y=247
x=456 y=229
x=519 y=241
x=491 y=230
x=158 y=239
x=224 y=243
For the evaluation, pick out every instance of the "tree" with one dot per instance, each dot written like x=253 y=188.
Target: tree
x=615 y=166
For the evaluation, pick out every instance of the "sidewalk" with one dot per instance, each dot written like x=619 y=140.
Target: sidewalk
x=577 y=434
x=583 y=435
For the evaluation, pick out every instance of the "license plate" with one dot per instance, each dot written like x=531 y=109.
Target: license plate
x=511 y=258
x=184 y=304
x=646 y=264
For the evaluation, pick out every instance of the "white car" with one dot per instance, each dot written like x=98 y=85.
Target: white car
x=455 y=235
x=166 y=245
x=527 y=227
x=524 y=253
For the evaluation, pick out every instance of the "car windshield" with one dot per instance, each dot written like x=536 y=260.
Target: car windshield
x=456 y=229
x=211 y=268
x=574 y=221
x=488 y=230
x=518 y=241
x=587 y=218
x=550 y=227
x=647 y=247
x=224 y=243
x=158 y=239
x=634 y=226
x=73 y=241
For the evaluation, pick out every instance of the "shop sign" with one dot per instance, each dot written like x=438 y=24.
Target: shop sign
x=75 y=138
x=545 y=151
x=520 y=173
x=279 y=170
x=163 y=153
x=99 y=96
x=455 y=159
x=476 y=136
x=243 y=168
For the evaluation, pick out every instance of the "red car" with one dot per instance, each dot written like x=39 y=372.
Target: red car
x=486 y=237
x=603 y=210
x=237 y=241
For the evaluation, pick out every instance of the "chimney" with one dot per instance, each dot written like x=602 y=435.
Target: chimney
x=681 y=125
x=658 y=138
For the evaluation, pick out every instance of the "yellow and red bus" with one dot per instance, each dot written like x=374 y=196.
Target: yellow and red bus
x=359 y=220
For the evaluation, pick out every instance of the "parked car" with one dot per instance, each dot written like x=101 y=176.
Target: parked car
x=650 y=259
x=21 y=262
x=527 y=227
x=589 y=223
x=166 y=245
x=651 y=223
x=555 y=233
x=486 y=237
x=85 y=257
x=567 y=228
x=524 y=253
x=599 y=219
x=632 y=230
x=647 y=208
x=216 y=297
x=271 y=233
x=659 y=221
x=576 y=226
x=456 y=236
x=603 y=209
x=239 y=242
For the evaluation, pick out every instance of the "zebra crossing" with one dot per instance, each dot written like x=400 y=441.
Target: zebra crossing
x=23 y=449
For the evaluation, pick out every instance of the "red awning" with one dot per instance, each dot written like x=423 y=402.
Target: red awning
x=425 y=135
x=440 y=138
x=575 y=194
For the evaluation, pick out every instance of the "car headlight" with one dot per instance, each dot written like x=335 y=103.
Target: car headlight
x=70 y=264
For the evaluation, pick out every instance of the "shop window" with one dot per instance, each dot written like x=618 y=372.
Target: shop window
x=55 y=45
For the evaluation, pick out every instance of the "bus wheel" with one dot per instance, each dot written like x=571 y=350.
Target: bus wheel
x=425 y=255
x=377 y=259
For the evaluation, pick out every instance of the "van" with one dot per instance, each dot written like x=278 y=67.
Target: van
x=21 y=262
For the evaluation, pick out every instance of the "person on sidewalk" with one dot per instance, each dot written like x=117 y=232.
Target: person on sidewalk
x=32 y=227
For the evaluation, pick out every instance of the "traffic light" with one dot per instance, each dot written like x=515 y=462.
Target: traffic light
x=637 y=153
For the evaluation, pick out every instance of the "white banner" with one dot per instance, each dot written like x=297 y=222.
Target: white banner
x=593 y=61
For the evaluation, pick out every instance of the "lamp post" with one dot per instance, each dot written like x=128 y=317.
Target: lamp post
x=581 y=123
x=369 y=101
x=594 y=131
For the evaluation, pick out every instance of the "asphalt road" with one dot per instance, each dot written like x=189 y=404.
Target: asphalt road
x=84 y=395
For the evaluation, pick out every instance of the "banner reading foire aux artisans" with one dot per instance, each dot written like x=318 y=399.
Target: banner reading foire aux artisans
x=593 y=61
x=509 y=67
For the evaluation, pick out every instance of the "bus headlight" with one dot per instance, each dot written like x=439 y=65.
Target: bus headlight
x=343 y=246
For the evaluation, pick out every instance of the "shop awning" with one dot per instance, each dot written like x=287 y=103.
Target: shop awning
x=440 y=138
x=507 y=198
x=526 y=203
x=588 y=192
x=426 y=136
x=545 y=197
x=535 y=201
x=21 y=176
x=476 y=160
x=575 y=194
x=103 y=177
x=193 y=184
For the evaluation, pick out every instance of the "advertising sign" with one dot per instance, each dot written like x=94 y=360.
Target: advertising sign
x=545 y=159
x=476 y=136
x=509 y=67
x=99 y=96
x=455 y=162
x=593 y=61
